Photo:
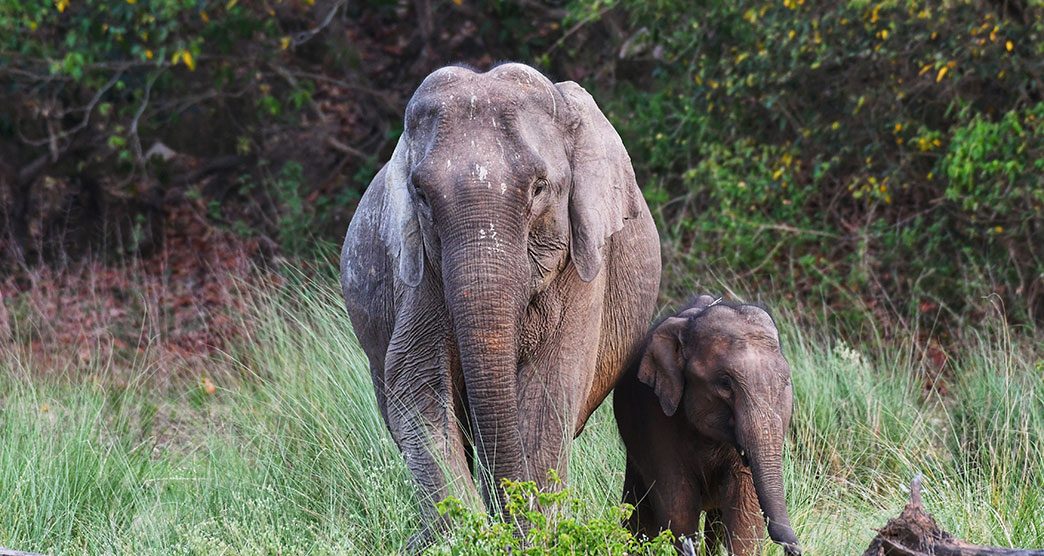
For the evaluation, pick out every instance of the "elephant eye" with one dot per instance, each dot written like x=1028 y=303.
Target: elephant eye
x=540 y=185
x=724 y=382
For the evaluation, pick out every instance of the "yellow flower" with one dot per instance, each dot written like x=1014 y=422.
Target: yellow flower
x=898 y=128
x=132 y=2
x=1009 y=46
x=998 y=229
x=942 y=73
x=61 y=5
x=148 y=54
x=44 y=408
x=284 y=43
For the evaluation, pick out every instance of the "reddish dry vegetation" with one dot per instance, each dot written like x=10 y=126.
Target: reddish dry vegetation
x=168 y=312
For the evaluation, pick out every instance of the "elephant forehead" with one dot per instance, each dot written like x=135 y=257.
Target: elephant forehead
x=742 y=322
x=466 y=95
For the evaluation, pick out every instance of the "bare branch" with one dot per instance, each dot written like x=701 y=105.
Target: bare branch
x=135 y=139
x=306 y=36
x=381 y=97
x=53 y=137
x=339 y=146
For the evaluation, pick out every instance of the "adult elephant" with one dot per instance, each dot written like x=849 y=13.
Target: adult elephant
x=499 y=271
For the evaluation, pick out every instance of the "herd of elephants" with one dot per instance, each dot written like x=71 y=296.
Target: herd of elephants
x=501 y=272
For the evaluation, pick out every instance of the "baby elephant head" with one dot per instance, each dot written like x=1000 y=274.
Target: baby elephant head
x=721 y=364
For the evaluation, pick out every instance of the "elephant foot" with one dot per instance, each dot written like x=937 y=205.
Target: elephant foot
x=428 y=534
x=419 y=541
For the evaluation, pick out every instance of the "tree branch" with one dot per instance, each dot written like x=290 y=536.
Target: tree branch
x=306 y=36
x=53 y=138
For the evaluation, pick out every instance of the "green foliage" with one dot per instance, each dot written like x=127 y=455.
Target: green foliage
x=95 y=84
x=995 y=167
x=542 y=522
x=294 y=224
x=864 y=154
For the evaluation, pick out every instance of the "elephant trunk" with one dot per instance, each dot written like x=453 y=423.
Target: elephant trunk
x=762 y=439
x=483 y=277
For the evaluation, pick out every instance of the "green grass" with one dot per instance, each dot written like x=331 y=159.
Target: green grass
x=290 y=455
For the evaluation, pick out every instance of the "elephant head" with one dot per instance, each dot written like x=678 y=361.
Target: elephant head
x=721 y=364
x=502 y=183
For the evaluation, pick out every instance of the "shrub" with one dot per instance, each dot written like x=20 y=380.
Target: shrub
x=866 y=154
x=542 y=522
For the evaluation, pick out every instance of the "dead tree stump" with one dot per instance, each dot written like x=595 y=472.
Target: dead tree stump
x=915 y=533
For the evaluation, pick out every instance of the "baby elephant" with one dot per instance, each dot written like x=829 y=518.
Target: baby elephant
x=703 y=412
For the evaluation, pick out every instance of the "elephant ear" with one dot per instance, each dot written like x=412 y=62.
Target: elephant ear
x=401 y=229
x=604 y=192
x=662 y=364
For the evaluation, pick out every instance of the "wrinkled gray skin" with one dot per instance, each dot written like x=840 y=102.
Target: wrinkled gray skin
x=499 y=272
x=703 y=414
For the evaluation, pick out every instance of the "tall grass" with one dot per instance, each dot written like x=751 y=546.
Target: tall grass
x=290 y=455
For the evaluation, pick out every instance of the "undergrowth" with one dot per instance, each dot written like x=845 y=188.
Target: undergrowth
x=284 y=451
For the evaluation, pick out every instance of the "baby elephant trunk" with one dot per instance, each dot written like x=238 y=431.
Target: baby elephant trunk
x=764 y=445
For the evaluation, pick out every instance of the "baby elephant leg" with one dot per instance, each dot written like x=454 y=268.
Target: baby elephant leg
x=714 y=533
x=742 y=517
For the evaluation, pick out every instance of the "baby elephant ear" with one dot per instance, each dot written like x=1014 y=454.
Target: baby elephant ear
x=662 y=364
x=604 y=192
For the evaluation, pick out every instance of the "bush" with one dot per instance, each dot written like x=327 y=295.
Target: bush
x=867 y=154
x=114 y=112
x=542 y=522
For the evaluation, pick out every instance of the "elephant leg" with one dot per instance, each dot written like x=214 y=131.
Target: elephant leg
x=635 y=493
x=742 y=515
x=714 y=533
x=551 y=387
x=424 y=407
x=432 y=443
x=560 y=333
